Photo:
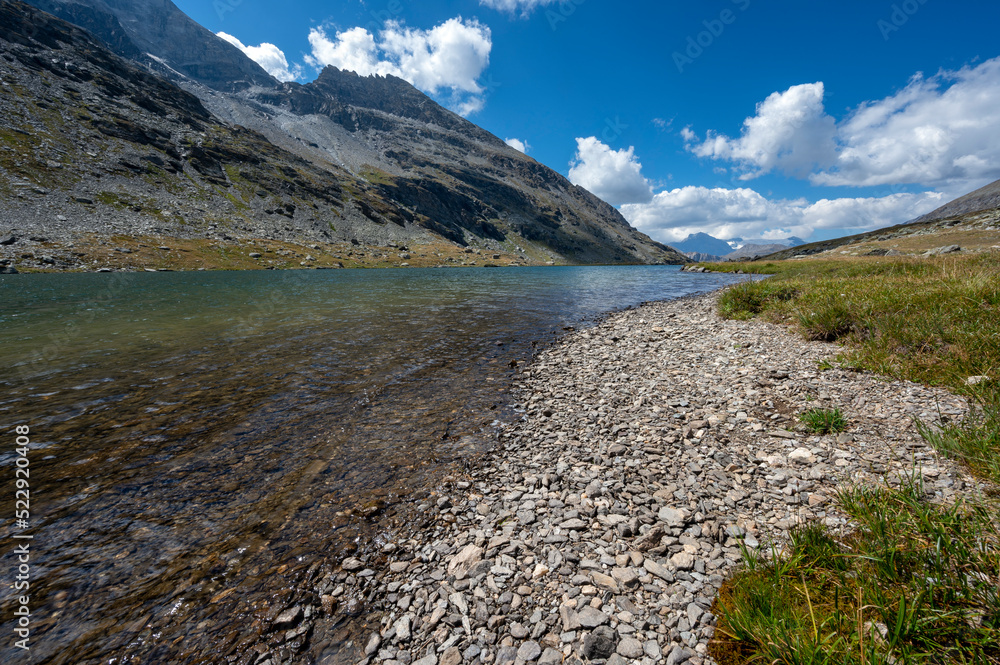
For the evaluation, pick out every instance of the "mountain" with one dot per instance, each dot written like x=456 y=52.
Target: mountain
x=969 y=222
x=984 y=198
x=698 y=257
x=702 y=243
x=138 y=29
x=791 y=241
x=753 y=250
x=99 y=152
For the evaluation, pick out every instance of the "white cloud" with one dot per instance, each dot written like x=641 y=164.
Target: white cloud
x=352 y=50
x=941 y=131
x=518 y=144
x=525 y=7
x=791 y=132
x=743 y=212
x=449 y=57
x=268 y=56
x=612 y=175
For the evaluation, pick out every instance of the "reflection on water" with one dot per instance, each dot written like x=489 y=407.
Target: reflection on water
x=206 y=445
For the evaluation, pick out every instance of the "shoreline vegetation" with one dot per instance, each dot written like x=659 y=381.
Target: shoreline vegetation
x=914 y=580
x=685 y=487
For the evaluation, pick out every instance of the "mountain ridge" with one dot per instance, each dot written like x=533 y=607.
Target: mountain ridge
x=400 y=168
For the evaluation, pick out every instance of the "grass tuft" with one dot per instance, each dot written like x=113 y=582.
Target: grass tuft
x=916 y=583
x=824 y=421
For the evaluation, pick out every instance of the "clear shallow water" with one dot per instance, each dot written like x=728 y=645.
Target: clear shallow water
x=206 y=445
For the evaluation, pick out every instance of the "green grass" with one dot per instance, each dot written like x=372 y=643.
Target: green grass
x=824 y=421
x=916 y=583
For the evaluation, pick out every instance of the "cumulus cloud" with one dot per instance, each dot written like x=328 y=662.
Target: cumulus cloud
x=268 y=56
x=518 y=144
x=791 y=132
x=612 y=175
x=936 y=131
x=940 y=131
x=448 y=58
x=726 y=213
x=524 y=7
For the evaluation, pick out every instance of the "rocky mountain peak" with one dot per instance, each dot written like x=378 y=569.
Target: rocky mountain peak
x=133 y=28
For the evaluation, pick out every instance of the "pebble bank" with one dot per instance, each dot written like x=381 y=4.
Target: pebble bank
x=607 y=517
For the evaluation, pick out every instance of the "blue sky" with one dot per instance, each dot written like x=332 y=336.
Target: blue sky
x=734 y=117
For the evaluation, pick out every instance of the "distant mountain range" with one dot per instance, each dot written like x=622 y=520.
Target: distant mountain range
x=703 y=247
x=145 y=124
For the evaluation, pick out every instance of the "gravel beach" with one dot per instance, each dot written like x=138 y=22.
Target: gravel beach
x=603 y=522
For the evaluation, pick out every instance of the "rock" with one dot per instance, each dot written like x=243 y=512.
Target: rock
x=672 y=517
x=529 y=651
x=506 y=655
x=551 y=657
x=373 y=644
x=682 y=561
x=947 y=249
x=604 y=581
x=658 y=570
x=570 y=620
x=629 y=647
x=6 y=241
x=255 y=255
x=650 y=540
x=451 y=656
x=402 y=627
x=289 y=617
x=591 y=617
x=802 y=455
x=678 y=655
x=599 y=644
x=462 y=563
x=429 y=659
x=351 y=564
x=625 y=576
x=976 y=380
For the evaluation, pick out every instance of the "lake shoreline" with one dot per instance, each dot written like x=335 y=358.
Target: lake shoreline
x=603 y=529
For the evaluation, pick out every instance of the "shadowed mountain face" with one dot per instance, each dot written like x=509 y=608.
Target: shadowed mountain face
x=400 y=166
x=134 y=28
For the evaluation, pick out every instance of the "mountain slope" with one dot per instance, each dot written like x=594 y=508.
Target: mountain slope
x=969 y=221
x=407 y=170
x=133 y=29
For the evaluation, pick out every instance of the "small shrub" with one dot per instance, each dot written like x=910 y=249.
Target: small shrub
x=824 y=421
x=828 y=322
x=746 y=300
